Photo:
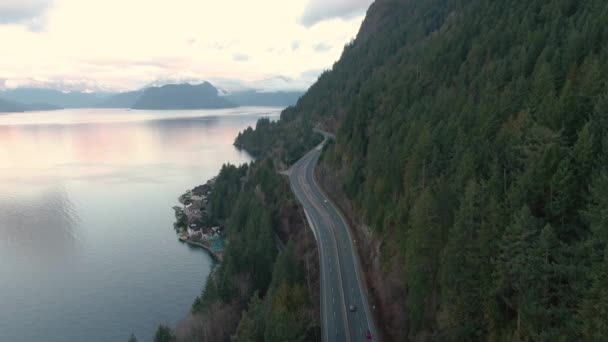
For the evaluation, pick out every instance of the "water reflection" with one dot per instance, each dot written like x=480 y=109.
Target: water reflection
x=86 y=238
x=42 y=224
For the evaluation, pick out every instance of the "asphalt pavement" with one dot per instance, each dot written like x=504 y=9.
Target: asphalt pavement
x=341 y=274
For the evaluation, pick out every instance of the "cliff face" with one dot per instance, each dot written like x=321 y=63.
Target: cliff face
x=471 y=142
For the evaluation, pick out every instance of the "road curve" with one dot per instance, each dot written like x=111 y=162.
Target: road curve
x=341 y=276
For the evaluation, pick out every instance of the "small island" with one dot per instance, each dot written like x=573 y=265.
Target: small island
x=194 y=224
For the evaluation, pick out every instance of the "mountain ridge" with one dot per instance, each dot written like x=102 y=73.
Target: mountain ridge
x=471 y=148
x=182 y=96
x=55 y=99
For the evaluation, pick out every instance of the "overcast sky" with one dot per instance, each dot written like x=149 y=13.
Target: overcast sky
x=125 y=44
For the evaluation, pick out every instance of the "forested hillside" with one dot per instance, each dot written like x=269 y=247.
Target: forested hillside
x=472 y=141
x=266 y=289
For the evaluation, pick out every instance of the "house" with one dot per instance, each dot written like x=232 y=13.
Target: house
x=193 y=212
x=188 y=209
x=194 y=230
x=197 y=200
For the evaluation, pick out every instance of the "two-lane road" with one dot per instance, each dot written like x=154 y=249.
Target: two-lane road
x=341 y=282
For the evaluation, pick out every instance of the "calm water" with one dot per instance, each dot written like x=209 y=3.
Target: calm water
x=87 y=248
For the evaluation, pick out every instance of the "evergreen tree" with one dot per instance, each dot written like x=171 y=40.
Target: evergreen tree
x=423 y=245
x=164 y=334
x=252 y=324
x=460 y=273
x=594 y=310
x=513 y=275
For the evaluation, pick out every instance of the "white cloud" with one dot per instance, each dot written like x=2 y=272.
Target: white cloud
x=239 y=57
x=321 y=47
x=114 y=44
x=30 y=13
x=320 y=10
x=295 y=45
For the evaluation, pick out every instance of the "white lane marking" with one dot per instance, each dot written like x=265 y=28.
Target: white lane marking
x=355 y=259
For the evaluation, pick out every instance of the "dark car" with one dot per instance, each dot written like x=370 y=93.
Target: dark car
x=352 y=308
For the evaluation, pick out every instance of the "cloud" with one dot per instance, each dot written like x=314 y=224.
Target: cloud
x=239 y=57
x=313 y=73
x=320 y=10
x=321 y=47
x=295 y=45
x=25 y=12
x=79 y=45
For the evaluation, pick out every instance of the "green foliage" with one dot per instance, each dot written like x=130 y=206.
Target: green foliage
x=284 y=314
x=462 y=270
x=594 y=310
x=286 y=141
x=225 y=192
x=252 y=324
x=247 y=199
x=423 y=245
x=474 y=136
x=164 y=334
x=268 y=286
x=288 y=320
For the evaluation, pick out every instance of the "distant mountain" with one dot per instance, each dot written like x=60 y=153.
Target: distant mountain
x=41 y=107
x=11 y=107
x=53 y=97
x=175 y=80
x=121 y=100
x=168 y=96
x=182 y=96
x=255 y=98
x=7 y=106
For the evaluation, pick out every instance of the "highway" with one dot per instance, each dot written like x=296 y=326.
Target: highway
x=341 y=276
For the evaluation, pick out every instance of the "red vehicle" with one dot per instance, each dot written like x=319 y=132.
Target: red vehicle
x=368 y=335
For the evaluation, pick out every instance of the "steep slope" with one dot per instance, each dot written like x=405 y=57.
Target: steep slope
x=471 y=142
x=182 y=96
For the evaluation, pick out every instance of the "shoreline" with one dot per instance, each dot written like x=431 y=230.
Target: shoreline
x=191 y=225
x=215 y=256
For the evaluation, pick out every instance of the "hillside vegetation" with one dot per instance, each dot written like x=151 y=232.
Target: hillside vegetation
x=263 y=290
x=472 y=140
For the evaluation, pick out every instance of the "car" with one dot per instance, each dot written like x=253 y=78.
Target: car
x=368 y=335
x=352 y=308
x=325 y=201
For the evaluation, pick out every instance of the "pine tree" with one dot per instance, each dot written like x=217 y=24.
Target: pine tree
x=252 y=324
x=460 y=273
x=512 y=276
x=594 y=310
x=424 y=243
x=164 y=334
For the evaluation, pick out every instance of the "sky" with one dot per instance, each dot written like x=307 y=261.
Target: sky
x=118 y=45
